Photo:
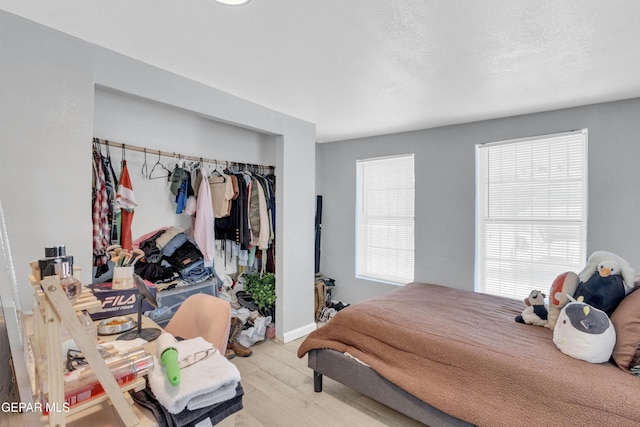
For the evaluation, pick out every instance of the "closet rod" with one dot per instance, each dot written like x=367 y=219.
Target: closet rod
x=178 y=155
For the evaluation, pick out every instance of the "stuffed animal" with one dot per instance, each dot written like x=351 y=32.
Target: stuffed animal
x=562 y=288
x=536 y=312
x=624 y=269
x=584 y=333
x=603 y=282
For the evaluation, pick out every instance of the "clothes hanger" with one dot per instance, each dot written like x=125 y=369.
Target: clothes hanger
x=168 y=175
x=220 y=172
x=145 y=169
x=219 y=169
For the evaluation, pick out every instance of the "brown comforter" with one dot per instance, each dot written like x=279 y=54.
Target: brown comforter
x=463 y=353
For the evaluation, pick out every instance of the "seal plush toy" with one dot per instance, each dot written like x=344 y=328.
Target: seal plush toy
x=605 y=281
x=584 y=333
x=536 y=312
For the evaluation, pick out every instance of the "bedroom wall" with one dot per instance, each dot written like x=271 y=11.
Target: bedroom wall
x=49 y=81
x=445 y=191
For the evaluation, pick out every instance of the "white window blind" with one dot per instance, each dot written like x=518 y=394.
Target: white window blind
x=385 y=217
x=531 y=212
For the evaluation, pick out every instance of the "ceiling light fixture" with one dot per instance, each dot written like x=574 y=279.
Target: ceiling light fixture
x=233 y=2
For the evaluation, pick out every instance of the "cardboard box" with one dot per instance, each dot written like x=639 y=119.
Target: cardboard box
x=119 y=302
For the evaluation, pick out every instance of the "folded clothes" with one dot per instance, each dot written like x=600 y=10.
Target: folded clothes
x=209 y=381
x=166 y=237
x=185 y=255
x=173 y=244
x=195 y=267
x=214 y=413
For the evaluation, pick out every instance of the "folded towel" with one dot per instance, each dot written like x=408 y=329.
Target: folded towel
x=209 y=381
x=224 y=393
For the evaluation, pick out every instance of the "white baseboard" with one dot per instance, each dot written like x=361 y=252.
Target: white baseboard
x=299 y=332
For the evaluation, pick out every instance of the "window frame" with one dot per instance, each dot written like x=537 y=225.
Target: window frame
x=579 y=255
x=364 y=220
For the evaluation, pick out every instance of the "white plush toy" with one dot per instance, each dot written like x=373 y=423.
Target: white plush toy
x=536 y=313
x=608 y=260
x=585 y=333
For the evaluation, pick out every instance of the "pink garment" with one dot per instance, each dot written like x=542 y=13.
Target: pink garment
x=203 y=231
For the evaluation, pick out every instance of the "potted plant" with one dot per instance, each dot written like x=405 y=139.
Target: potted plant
x=262 y=288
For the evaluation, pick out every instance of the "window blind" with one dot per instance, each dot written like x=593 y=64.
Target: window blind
x=385 y=219
x=531 y=212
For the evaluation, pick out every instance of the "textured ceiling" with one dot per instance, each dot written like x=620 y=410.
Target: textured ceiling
x=367 y=67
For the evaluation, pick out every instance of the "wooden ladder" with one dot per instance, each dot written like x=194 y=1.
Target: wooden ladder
x=58 y=311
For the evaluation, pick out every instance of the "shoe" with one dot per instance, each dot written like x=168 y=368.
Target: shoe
x=229 y=354
x=327 y=313
x=239 y=349
x=338 y=305
x=235 y=329
x=246 y=300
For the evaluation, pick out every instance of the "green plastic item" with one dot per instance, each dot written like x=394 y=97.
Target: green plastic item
x=170 y=361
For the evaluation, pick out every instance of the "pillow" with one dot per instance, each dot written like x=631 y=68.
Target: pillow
x=626 y=321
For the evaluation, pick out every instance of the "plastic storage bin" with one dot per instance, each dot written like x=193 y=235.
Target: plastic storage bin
x=172 y=299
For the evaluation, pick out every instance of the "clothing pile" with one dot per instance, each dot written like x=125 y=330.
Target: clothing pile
x=169 y=256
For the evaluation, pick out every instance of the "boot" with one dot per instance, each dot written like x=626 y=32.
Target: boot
x=239 y=349
x=229 y=354
x=233 y=345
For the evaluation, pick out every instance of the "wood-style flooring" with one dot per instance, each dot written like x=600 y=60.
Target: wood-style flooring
x=278 y=389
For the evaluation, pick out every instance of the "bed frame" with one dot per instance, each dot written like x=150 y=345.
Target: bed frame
x=348 y=371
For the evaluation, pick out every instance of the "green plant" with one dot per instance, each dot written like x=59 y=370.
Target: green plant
x=262 y=289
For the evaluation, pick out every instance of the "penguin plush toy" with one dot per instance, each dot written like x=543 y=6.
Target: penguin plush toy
x=584 y=333
x=605 y=281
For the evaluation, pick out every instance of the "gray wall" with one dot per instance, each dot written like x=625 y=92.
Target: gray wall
x=445 y=191
x=49 y=82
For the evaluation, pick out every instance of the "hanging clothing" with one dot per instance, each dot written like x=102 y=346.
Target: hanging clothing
x=127 y=201
x=221 y=195
x=264 y=236
x=254 y=211
x=112 y=187
x=100 y=211
x=203 y=230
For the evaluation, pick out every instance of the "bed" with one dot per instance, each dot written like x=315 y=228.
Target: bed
x=445 y=356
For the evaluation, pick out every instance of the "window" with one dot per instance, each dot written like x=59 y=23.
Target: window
x=385 y=209
x=531 y=212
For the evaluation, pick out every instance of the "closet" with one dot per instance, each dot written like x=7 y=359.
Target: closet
x=158 y=139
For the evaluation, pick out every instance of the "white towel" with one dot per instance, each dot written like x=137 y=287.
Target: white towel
x=207 y=382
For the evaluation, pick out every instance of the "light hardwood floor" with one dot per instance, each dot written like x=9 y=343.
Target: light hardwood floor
x=278 y=389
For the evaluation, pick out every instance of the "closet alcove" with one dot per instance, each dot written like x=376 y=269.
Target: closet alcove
x=158 y=127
